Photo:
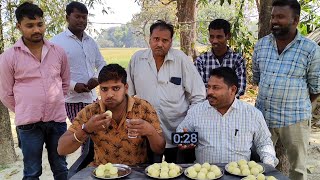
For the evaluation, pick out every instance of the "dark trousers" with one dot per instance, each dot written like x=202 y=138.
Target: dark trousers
x=32 y=137
x=73 y=109
x=179 y=156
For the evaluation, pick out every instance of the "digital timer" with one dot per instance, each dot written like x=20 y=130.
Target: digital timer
x=184 y=138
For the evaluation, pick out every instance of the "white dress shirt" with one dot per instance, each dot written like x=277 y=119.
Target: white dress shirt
x=85 y=62
x=229 y=137
x=171 y=91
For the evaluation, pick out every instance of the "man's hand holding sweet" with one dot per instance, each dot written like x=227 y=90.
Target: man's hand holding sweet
x=97 y=123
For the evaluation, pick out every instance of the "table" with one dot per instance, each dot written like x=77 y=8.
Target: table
x=138 y=173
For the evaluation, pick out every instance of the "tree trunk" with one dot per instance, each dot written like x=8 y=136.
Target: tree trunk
x=186 y=14
x=264 y=29
x=7 y=152
x=264 y=17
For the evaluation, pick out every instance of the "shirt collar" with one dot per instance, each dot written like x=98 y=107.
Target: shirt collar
x=148 y=55
x=235 y=105
x=20 y=44
x=226 y=55
x=69 y=33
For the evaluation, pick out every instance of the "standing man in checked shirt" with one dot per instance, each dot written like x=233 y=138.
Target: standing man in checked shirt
x=221 y=55
x=227 y=127
x=286 y=66
x=84 y=58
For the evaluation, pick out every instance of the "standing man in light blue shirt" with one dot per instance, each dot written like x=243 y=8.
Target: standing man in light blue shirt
x=166 y=78
x=286 y=66
x=227 y=127
x=84 y=58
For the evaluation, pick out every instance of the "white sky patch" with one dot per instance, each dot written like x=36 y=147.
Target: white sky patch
x=121 y=12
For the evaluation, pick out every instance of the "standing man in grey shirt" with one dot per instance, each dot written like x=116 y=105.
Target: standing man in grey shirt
x=84 y=58
x=166 y=78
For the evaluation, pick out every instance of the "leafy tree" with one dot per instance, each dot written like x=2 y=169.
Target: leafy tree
x=151 y=10
x=54 y=11
x=121 y=36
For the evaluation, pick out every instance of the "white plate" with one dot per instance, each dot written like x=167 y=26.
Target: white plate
x=146 y=171
x=247 y=179
x=123 y=171
x=226 y=168
x=186 y=173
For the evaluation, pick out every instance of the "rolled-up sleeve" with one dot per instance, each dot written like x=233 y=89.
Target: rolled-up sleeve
x=241 y=73
x=263 y=143
x=65 y=74
x=99 y=61
x=6 y=82
x=130 y=80
x=314 y=73
x=255 y=67
x=193 y=84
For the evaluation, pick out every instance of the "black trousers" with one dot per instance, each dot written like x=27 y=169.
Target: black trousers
x=179 y=156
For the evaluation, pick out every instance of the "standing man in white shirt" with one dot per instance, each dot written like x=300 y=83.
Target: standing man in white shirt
x=166 y=78
x=84 y=58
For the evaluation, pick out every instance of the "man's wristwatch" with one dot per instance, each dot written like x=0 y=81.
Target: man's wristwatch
x=83 y=129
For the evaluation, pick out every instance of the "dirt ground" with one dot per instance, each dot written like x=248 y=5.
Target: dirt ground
x=15 y=171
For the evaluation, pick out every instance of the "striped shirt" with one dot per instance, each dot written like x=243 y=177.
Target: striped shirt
x=229 y=137
x=286 y=80
x=208 y=61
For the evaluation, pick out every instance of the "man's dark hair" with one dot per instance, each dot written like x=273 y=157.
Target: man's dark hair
x=293 y=4
x=112 y=72
x=220 y=24
x=28 y=10
x=229 y=76
x=76 y=5
x=162 y=25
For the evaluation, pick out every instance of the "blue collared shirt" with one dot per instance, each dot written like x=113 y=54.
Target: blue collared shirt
x=208 y=61
x=285 y=80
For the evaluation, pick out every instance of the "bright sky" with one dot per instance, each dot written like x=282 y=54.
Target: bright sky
x=121 y=12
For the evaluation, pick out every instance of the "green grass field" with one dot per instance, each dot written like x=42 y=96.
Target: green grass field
x=122 y=56
x=118 y=55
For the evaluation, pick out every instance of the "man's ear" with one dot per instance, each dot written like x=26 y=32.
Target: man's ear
x=296 y=20
x=234 y=89
x=228 y=36
x=126 y=87
x=18 y=26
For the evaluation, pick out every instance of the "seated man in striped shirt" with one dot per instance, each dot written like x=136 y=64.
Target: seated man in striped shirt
x=227 y=127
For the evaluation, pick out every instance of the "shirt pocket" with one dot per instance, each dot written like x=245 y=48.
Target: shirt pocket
x=240 y=140
x=173 y=93
x=55 y=71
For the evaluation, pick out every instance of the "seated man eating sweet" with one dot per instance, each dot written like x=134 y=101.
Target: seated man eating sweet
x=109 y=132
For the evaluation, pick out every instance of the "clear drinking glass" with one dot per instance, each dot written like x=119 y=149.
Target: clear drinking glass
x=132 y=133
